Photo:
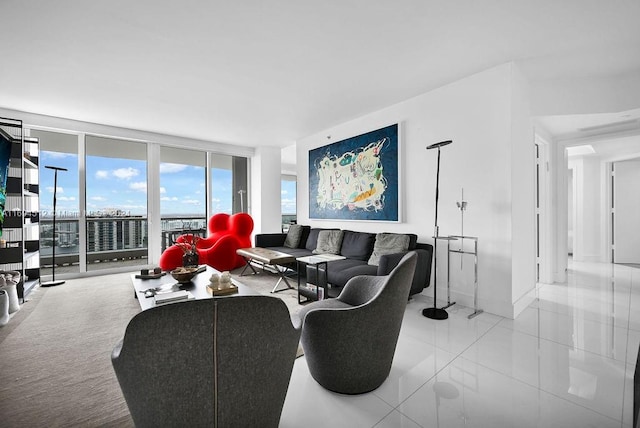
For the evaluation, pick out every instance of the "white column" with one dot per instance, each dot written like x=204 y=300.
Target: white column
x=265 y=190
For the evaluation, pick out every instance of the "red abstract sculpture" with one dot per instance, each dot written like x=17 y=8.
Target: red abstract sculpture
x=227 y=233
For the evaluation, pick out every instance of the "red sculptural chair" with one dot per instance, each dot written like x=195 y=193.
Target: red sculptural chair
x=227 y=233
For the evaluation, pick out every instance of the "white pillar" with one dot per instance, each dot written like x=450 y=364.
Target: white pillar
x=265 y=190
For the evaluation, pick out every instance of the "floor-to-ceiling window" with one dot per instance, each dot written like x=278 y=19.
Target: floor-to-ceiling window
x=183 y=202
x=288 y=185
x=103 y=206
x=116 y=202
x=229 y=184
x=59 y=150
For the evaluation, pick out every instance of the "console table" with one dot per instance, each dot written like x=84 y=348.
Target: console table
x=462 y=252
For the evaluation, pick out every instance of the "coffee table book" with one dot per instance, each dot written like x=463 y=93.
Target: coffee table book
x=172 y=296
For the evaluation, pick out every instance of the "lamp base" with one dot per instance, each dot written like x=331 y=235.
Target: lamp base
x=435 y=313
x=51 y=283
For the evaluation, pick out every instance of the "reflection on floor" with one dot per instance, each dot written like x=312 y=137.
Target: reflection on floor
x=566 y=361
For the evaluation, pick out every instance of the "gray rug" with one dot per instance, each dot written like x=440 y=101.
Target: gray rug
x=55 y=352
x=264 y=283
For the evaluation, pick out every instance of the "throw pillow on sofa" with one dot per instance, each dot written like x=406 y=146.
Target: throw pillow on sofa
x=357 y=245
x=293 y=236
x=388 y=243
x=329 y=242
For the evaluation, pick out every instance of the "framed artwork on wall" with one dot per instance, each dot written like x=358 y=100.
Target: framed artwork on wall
x=357 y=178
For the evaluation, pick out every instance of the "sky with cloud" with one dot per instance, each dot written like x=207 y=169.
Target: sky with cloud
x=121 y=184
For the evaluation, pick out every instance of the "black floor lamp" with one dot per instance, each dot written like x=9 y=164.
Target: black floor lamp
x=435 y=312
x=55 y=190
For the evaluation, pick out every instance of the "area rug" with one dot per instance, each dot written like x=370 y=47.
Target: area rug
x=55 y=367
x=265 y=281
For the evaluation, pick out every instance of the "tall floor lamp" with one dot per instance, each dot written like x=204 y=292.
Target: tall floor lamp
x=435 y=312
x=55 y=190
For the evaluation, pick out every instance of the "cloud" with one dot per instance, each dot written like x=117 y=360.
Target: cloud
x=67 y=198
x=170 y=168
x=102 y=174
x=168 y=199
x=50 y=189
x=139 y=186
x=284 y=192
x=98 y=198
x=163 y=190
x=56 y=155
x=190 y=201
x=125 y=173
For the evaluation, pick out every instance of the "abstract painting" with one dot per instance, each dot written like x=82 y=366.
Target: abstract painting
x=356 y=178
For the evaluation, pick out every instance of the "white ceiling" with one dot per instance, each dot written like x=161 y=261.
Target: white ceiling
x=267 y=73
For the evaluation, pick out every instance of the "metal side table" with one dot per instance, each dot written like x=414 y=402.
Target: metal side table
x=462 y=252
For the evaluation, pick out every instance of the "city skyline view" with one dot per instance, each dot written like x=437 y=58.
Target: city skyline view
x=115 y=184
x=121 y=184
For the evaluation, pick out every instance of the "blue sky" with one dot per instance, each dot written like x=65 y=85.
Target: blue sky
x=288 y=195
x=121 y=184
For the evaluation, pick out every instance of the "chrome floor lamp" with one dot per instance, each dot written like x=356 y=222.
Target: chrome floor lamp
x=53 y=266
x=435 y=312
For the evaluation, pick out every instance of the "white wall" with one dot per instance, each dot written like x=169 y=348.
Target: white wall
x=570 y=211
x=585 y=95
x=265 y=190
x=627 y=208
x=587 y=221
x=484 y=115
x=523 y=164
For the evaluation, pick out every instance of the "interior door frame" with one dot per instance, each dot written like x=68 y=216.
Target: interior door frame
x=544 y=217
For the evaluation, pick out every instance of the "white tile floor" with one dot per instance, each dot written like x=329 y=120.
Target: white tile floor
x=566 y=361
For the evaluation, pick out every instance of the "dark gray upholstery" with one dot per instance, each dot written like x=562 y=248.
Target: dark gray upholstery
x=213 y=362
x=357 y=245
x=349 y=342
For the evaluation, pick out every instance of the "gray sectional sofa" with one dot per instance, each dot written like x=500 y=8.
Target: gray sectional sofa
x=357 y=247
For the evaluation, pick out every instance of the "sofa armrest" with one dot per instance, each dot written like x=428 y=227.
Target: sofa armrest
x=388 y=262
x=422 y=274
x=266 y=240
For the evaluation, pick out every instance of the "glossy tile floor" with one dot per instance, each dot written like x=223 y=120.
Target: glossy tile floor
x=566 y=361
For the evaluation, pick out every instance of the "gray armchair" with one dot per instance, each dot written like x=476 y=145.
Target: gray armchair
x=213 y=362
x=349 y=341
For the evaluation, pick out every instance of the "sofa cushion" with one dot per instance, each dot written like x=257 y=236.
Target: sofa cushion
x=357 y=245
x=294 y=234
x=305 y=236
x=329 y=242
x=338 y=275
x=413 y=241
x=388 y=243
x=312 y=239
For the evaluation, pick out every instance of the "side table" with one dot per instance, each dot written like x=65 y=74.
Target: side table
x=314 y=292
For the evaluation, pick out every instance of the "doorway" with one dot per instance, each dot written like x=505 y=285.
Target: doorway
x=625 y=212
